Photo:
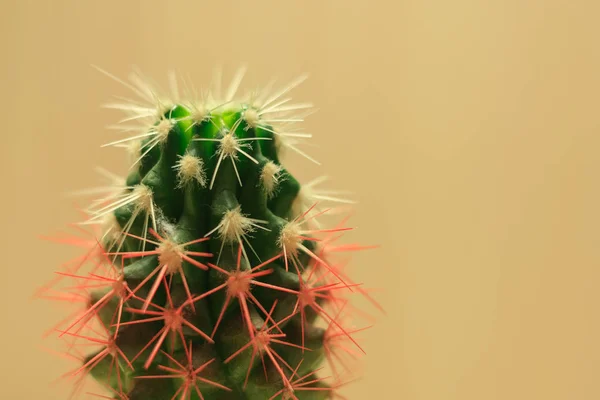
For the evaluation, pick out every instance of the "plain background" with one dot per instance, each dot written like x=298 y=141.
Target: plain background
x=468 y=131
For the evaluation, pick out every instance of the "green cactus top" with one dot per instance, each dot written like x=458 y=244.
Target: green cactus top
x=213 y=276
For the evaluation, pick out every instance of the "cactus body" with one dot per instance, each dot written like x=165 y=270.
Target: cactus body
x=212 y=276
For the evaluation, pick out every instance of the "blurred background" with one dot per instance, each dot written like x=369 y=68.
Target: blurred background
x=467 y=130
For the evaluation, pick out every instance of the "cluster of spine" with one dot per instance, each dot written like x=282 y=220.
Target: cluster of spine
x=208 y=272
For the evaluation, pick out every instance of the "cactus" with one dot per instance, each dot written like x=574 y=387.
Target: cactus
x=208 y=272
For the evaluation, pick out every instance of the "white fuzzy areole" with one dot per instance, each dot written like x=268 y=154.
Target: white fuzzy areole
x=190 y=168
x=143 y=197
x=170 y=255
x=199 y=113
x=234 y=225
x=251 y=117
x=270 y=178
x=238 y=284
x=262 y=340
x=229 y=145
x=163 y=128
x=290 y=237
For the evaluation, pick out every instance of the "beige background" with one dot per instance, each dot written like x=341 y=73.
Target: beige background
x=468 y=130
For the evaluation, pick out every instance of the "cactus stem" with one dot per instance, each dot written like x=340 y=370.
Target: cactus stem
x=143 y=288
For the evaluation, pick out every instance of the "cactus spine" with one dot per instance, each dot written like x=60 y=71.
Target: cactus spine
x=210 y=274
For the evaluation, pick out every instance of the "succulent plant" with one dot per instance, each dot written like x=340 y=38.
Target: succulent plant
x=208 y=271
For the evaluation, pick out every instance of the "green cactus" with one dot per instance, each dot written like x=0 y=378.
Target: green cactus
x=211 y=274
